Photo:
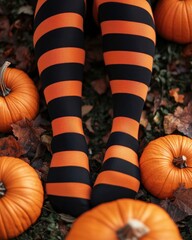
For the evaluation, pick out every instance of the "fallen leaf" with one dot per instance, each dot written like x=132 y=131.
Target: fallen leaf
x=100 y=85
x=144 y=118
x=180 y=120
x=28 y=136
x=179 y=98
x=9 y=146
x=46 y=140
x=182 y=199
x=88 y=124
x=175 y=213
x=23 y=57
x=187 y=50
x=26 y=9
x=86 y=109
x=180 y=206
x=4 y=29
x=170 y=123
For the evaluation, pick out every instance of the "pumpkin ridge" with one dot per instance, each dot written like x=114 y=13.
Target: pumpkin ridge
x=21 y=103
x=188 y=18
x=14 y=218
x=163 y=185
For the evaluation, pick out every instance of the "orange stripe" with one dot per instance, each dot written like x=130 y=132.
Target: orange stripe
x=117 y=179
x=58 y=21
x=139 y=3
x=38 y=5
x=126 y=27
x=61 y=55
x=67 y=124
x=127 y=57
x=126 y=125
x=70 y=158
x=122 y=152
x=127 y=86
x=63 y=88
x=79 y=190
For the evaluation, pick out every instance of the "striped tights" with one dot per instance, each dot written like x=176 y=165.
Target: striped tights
x=128 y=37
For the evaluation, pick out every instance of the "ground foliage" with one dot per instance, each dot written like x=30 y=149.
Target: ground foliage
x=168 y=109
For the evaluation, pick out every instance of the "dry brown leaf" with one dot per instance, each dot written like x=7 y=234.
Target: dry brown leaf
x=179 y=98
x=175 y=213
x=180 y=206
x=144 y=119
x=4 y=29
x=46 y=140
x=183 y=198
x=100 y=85
x=187 y=50
x=9 y=146
x=23 y=57
x=28 y=136
x=86 y=109
x=181 y=120
x=88 y=124
x=170 y=123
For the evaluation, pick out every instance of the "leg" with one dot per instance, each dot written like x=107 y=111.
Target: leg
x=128 y=35
x=59 y=48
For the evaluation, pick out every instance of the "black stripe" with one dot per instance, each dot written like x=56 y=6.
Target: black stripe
x=102 y=193
x=65 y=106
x=51 y=8
x=69 y=141
x=69 y=174
x=121 y=11
x=62 y=72
x=60 y=38
x=126 y=42
x=69 y=205
x=123 y=139
x=120 y=165
x=127 y=105
x=129 y=72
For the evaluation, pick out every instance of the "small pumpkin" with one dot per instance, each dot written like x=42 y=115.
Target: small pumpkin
x=124 y=219
x=173 y=20
x=166 y=163
x=21 y=197
x=19 y=97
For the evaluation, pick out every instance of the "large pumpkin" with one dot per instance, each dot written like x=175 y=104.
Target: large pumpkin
x=21 y=197
x=165 y=163
x=173 y=19
x=124 y=219
x=19 y=97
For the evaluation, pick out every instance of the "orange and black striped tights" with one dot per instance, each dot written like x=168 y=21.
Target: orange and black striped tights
x=128 y=38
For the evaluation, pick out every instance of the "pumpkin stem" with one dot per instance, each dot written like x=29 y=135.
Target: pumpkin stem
x=2 y=189
x=134 y=230
x=180 y=162
x=4 y=89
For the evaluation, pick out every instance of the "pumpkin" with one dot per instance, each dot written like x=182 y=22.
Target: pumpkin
x=165 y=164
x=124 y=219
x=21 y=197
x=19 y=97
x=173 y=20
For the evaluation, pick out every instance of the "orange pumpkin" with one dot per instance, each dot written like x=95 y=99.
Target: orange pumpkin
x=21 y=197
x=124 y=219
x=19 y=97
x=173 y=19
x=165 y=163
